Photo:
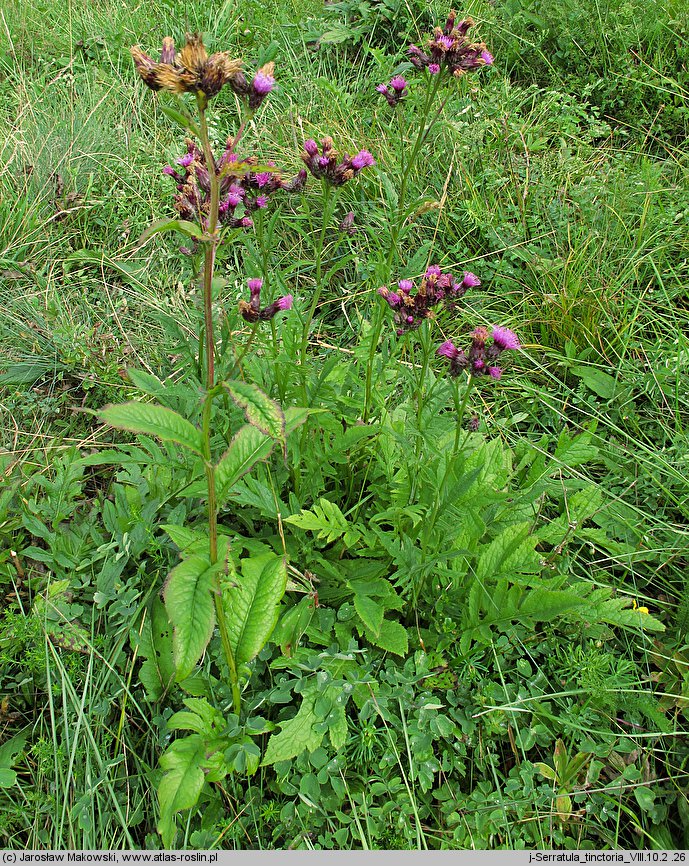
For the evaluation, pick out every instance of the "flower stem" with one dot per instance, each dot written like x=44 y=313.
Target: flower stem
x=460 y=409
x=208 y=269
x=329 y=199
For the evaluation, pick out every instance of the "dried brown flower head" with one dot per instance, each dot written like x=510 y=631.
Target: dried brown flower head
x=189 y=71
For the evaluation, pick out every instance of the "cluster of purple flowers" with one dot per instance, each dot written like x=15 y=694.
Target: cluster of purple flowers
x=252 y=312
x=451 y=49
x=325 y=164
x=242 y=190
x=436 y=286
x=396 y=90
x=480 y=359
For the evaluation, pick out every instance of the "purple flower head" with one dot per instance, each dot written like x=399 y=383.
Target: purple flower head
x=494 y=372
x=323 y=161
x=398 y=83
x=232 y=200
x=470 y=280
x=449 y=350
x=433 y=68
x=284 y=303
x=185 y=160
x=406 y=285
x=445 y=42
x=362 y=159
x=311 y=147
x=170 y=170
x=247 y=222
x=261 y=201
x=263 y=83
x=434 y=271
x=382 y=88
x=255 y=285
x=505 y=339
x=487 y=58
x=263 y=177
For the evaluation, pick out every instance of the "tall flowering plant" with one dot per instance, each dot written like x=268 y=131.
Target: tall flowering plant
x=449 y=54
x=214 y=196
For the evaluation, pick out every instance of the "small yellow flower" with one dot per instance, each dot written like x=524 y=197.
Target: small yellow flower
x=190 y=71
x=635 y=606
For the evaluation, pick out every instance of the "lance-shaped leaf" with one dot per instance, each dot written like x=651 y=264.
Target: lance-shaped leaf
x=191 y=230
x=156 y=420
x=252 y=603
x=190 y=608
x=248 y=446
x=180 y=116
x=259 y=409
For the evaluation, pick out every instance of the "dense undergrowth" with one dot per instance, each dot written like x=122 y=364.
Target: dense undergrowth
x=484 y=640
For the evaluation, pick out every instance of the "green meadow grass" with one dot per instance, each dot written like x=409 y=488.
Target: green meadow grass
x=561 y=178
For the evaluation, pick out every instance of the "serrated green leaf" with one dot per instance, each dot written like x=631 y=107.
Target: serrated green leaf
x=248 y=446
x=191 y=230
x=370 y=612
x=296 y=734
x=391 y=637
x=181 y=784
x=511 y=552
x=252 y=604
x=325 y=519
x=146 y=382
x=573 y=451
x=158 y=670
x=156 y=420
x=259 y=409
x=190 y=608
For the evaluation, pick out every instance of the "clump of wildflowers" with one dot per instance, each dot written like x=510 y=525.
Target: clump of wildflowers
x=252 y=312
x=480 y=359
x=395 y=91
x=436 y=286
x=324 y=164
x=242 y=190
x=189 y=71
x=451 y=49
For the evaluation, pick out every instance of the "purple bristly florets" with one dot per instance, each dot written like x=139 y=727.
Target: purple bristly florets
x=505 y=339
x=263 y=83
x=362 y=159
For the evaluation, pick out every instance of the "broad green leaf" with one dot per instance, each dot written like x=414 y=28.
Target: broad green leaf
x=190 y=608
x=295 y=416
x=573 y=451
x=370 y=612
x=157 y=420
x=546 y=771
x=155 y=644
x=182 y=782
x=391 y=637
x=596 y=380
x=185 y=227
x=146 y=382
x=259 y=409
x=296 y=735
x=248 y=446
x=9 y=755
x=252 y=604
